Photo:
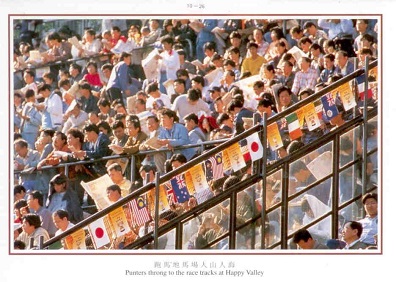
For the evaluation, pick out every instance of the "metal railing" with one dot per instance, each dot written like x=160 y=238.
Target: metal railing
x=261 y=171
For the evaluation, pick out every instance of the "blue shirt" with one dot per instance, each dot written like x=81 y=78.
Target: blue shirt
x=178 y=136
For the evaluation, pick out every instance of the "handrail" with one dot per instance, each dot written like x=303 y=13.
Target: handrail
x=219 y=148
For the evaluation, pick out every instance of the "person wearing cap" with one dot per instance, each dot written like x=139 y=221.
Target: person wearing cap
x=118 y=85
x=313 y=32
x=254 y=62
x=60 y=196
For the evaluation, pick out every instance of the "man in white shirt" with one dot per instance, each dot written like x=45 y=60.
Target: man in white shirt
x=190 y=103
x=153 y=91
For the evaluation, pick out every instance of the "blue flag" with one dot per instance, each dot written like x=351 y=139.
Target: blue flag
x=329 y=106
x=180 y=189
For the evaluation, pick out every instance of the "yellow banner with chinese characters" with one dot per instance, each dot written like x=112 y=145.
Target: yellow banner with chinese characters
x=311 y=116
x=346 y=95
x=274 y=137
x=119 y=222
x=163 y=199
x=300 y=115
x=189 y=182
x=235 y=156
x=198 y=177
x=76 y=240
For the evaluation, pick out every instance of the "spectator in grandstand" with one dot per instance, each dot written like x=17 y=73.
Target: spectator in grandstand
x=76 y=74
x=313 y=208
x=343 y=65
x=210 y=229
x=172 y=134
x=204 y=35
x=135 y=139
x=25 y=158
x=311 y=29
x=253 y=63
x=154 y=33
x=304 y=177
x=185 y=64
x=208 y=126
x=31 y=225
x=92 y=76
x=334 y=27
x=288 y=75
x=75 y=117
x=113 y=193
x=96 y=146
x=168 y=62
x=60 y=196
x=154 y=92
x=35 y=201
x=190 y=103
x=305 y=241
x=91 y=45
x=370 y=221
x=88 y=101
x=197 y=136
x=115 y=173
x=61 y=220
x=306 y=77
x=118 y=84
x=30 y=119
x=51 y=108
x=120 y=139
x=58 y=50
x=351 y=234
x=19 y=192
x=329 y=67
x=29 y=79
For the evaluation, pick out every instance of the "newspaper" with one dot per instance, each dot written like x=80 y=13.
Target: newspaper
x=74 y=41
x=320 y=167
x=97 y=190
x=297 y=53
x=152 y=143
x=195 y=25
x=150 y=65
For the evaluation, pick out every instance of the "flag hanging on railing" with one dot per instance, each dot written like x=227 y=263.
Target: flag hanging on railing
x=189 y=182
x=293 y=126
x=98 y=232
x=140 y=212
x=274 y=137
x=179 y=188
x=163 y=199
x=361 y=88
x=311 y=117
x=214 y=167
x=76 y=240
x=119 y=222
x=198 y=177
x=235 y=157
x=346 y=95
x=255 y=147
x=329 y=105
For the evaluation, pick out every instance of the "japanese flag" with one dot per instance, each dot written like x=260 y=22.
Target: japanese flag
x=98 y=233
x=255 y=146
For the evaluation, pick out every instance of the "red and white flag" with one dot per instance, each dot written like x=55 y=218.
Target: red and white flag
x=98 y=233
x=255 y=147
x=140 y=211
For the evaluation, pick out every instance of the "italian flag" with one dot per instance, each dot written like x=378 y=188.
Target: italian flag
x=293 y=126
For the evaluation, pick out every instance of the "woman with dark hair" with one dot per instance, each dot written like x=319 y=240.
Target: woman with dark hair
x=58 y=50
x=60 y=197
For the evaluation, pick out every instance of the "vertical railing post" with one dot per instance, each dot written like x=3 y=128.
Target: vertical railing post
x=285 y=207
x=364 y=133
x=156 y=211
x=335 y=185
x=264 y=179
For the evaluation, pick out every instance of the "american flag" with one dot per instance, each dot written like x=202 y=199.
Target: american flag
x=140 y=212
x=217 y=166
x=180 y=189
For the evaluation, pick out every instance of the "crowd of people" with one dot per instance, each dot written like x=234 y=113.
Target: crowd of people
x=100 y=95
